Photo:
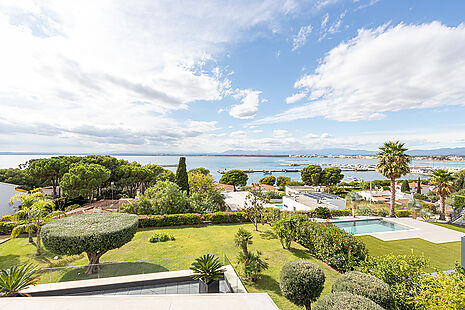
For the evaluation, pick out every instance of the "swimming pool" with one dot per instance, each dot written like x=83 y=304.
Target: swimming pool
x=364 y=227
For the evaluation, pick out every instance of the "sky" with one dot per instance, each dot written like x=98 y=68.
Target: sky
x=213 y=76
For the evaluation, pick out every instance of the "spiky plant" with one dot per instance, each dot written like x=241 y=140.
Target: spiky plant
x=207 y=268
x=39 y=213
x=17 y=278
x=393 y=163
x=242 y=239
x=443 y=185
x=24 y=213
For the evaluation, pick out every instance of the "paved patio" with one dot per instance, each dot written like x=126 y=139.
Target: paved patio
x=419 y=229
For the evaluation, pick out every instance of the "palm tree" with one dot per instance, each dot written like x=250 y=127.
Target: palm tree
x=242 y=239
x=393 y=163
x=354 y=198
x=27 y=201
x=443 y=184
x=40 y=213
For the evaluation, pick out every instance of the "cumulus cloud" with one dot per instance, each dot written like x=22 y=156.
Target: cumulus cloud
x=295 y=97
x=281 y=133
x=249 y=106
x=117 y=64
x=300 y=39
x=385 y=69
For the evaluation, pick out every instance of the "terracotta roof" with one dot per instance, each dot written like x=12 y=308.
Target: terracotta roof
x=224 y=187
x=265 y=187
x=101 y=206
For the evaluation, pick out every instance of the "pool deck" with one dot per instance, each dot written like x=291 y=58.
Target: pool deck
x=418 y=229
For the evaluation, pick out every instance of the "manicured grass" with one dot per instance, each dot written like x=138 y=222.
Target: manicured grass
x=443 y=256
x=450 y=226
x=190 y=242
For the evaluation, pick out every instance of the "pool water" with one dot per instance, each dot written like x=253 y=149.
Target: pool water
x=362 y=227
x=278 y=206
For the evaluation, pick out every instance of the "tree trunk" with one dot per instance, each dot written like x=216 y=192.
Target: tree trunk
x=94 y=261
x=255 y=223
x=245 y=252
x=392 y=212
x=308 y=307
x=38 y=242
x=29 y=233
x=442 y=214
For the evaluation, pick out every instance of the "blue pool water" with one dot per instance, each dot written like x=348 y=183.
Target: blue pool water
x=362 y=227
x=278 y=206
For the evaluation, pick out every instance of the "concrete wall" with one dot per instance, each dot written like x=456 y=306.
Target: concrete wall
x=6 y=192
x=289 y=204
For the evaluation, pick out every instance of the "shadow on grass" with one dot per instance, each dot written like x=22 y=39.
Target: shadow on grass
x=107 y=271
x=7 y=261
x=267 y=283
x=268 y=235
x=303 y=254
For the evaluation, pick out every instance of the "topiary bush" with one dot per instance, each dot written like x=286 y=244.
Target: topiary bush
x=301 y=282
x=94 y=234
x=365 y=285
x=161 y=237
x=344 y=300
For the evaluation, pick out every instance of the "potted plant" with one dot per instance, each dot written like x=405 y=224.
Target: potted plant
x=208 y=270
x=17 y=278
x=415 y=206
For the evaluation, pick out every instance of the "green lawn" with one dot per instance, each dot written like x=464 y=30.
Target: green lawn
x=443 y=256
x=143 y=256
x=190 y=242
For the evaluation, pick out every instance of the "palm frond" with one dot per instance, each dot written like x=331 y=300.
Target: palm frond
x=17 y=278
x=23 y=228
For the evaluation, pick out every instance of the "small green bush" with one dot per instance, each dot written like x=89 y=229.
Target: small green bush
x=343 y=301
x=322 y=213
x=301 y=282
x=403 y=213
x=365 y=285
x=162 y=237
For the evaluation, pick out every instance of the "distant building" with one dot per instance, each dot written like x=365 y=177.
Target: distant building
x=425 y=189
x=6 y=192
x=235 y=200
x=311 y=201
x=385 y=196
x=298 y=190
x=101 y=206
x=224 y=187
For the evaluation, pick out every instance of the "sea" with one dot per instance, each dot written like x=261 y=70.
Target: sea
x=218 y=163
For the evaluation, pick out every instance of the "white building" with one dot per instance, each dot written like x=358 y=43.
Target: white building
x=6 y=192
x=299 y=190
x=311 y=201
x=425 y=189
x=384 y=196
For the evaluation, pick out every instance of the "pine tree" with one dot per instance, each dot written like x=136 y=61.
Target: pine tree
x=181 y=175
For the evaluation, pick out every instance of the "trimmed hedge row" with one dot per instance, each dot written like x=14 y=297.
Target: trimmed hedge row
x=403 y=213
x=6 y=228
x=191 y=219
x=331 y=244
x=344 y=300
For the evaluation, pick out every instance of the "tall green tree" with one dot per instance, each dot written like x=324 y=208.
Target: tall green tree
x=254 y=204
x=181 y=175
x=419 y=186
x=84 y=180
x=312 y=175
x=201 y=170
x=405 y=187
x=459 y=180
x=332 y=176
x=234 y=177
x=27 y=201
x=393 y=163
x=443 y=185
x=39 y=213
x=268 y=180
x=49 y=170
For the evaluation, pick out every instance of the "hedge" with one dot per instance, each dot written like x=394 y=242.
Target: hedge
x=344 y=300
x=191 y=219
x=6 y=228
x=365 y=285
x=403 y=213
x=89 y=233
x=331 y=244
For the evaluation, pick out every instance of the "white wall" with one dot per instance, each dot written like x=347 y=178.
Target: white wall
x=6 y=192
x=289 y=204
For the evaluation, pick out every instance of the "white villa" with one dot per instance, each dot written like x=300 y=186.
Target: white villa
x=306 y=198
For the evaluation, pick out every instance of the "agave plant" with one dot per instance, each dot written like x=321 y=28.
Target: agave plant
x=207 y=268
x=17 y=278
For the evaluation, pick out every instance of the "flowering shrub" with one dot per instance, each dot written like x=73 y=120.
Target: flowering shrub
x=444 y=291
x=331 y=244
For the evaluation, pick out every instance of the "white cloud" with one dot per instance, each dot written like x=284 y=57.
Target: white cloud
x=249 y=106
x=300 y=39
x=281 y=133
x=118 y=64
x=295 y=97
x=327 y=29
x=385 y=69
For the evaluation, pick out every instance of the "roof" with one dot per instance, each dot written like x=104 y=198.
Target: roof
x=8 y=184
x=225 y=187
x=265 y=187
x=321 y=195
x=101 y=206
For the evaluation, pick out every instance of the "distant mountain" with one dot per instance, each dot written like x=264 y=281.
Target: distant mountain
x=329 y=151
x=457 y=151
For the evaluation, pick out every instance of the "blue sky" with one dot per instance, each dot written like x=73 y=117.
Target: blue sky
x=184 y=76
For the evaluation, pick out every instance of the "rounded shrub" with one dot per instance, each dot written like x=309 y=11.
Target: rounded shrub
x=365 y=285
x=94 y=234
x=301 y=282
x=344 y=300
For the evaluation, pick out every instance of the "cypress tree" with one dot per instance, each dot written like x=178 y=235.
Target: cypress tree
x=418 y=186
x=181 y=175
x=405 y=188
